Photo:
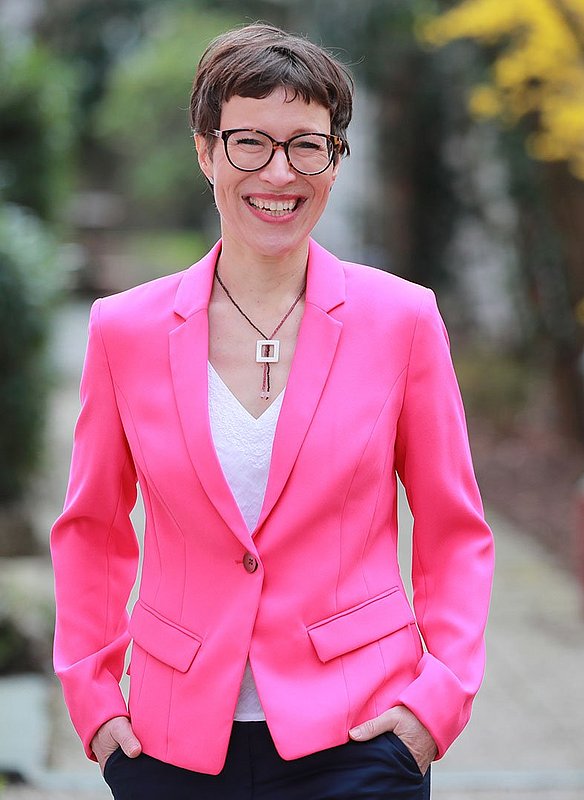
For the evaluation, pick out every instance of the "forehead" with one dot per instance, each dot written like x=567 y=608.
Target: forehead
x=276 y=114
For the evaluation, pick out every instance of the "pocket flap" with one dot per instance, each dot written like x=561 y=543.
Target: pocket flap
x=165 y=640
x=360 y=625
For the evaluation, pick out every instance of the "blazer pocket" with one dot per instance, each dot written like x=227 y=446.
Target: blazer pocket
x=162 y=638
x=360 y=625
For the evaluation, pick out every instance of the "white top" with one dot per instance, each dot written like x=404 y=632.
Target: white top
x=244 y=448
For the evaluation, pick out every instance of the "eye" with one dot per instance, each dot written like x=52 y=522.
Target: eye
x=304 y=144
x=249 y=141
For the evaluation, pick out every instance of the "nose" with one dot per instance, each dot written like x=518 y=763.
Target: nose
x=278 y=171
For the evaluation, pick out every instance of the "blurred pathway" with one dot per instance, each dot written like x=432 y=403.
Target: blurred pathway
x=526 y=738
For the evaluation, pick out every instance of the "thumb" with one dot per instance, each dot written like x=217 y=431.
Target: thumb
x=373 y=727
x=127 y=738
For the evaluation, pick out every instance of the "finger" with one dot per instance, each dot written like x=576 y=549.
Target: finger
x=127 y=739
x=373 y=727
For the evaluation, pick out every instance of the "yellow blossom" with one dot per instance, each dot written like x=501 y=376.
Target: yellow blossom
x=539 y=70
x=485 y=102
x=579 y=311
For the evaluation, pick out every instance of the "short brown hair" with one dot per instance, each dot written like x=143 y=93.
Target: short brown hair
x=254 y=60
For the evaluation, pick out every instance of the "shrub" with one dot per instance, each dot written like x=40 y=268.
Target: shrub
x=37 y=128
x=29 y=283
x=143 y=119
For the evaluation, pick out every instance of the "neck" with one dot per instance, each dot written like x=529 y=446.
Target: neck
x=254 y=275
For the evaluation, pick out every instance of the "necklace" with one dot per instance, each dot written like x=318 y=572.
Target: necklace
x=267 y=348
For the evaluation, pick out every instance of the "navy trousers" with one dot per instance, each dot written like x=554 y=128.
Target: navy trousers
x=380 y=769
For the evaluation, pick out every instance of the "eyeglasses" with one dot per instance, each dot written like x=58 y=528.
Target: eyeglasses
x=307 y=153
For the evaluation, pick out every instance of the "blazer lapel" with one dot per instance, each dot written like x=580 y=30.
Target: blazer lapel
x=313 y=357
x=189 y=354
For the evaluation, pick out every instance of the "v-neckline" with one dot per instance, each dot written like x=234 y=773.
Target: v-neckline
x=277 y=401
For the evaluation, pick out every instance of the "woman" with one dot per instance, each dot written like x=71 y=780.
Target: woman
x=264 y=399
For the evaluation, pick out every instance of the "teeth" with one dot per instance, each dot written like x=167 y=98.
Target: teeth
x=273 y=206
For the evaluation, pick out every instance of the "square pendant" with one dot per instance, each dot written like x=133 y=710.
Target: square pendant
x=267 y=351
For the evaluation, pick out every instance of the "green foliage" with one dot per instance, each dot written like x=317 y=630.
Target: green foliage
x=37 y=127
x=147 y=254
x=29 y=283
x=92 y=35
x=37 y=130
x=160 y=252
x=143 y=117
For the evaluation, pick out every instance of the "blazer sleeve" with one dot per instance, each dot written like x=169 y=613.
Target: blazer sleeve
x=95 y=552
x=452 y=550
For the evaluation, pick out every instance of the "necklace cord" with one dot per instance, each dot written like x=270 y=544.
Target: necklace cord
x=265 y=393
x=241 y=311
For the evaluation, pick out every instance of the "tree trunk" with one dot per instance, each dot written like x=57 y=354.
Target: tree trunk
x=566 y=202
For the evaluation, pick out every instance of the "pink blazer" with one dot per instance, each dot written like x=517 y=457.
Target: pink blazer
x=314 y=593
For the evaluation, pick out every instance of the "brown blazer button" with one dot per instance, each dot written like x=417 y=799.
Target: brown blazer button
x=250 y=562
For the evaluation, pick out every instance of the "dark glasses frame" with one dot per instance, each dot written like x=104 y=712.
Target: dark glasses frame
x=337 y=146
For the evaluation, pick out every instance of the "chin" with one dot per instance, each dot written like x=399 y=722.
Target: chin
x=285 y=241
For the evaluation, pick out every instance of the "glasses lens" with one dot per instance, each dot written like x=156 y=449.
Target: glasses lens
x=248 y=150
x=310 y=153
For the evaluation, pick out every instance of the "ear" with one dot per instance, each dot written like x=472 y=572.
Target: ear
x=335 y=171
x=204 y=156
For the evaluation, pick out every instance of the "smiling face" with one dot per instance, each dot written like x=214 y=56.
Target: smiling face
x=268 y=214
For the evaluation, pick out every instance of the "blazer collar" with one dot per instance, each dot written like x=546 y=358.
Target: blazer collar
x=194 y=290
x=325 y=281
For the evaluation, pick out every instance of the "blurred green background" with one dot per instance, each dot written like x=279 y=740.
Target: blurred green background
x=467 y=175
